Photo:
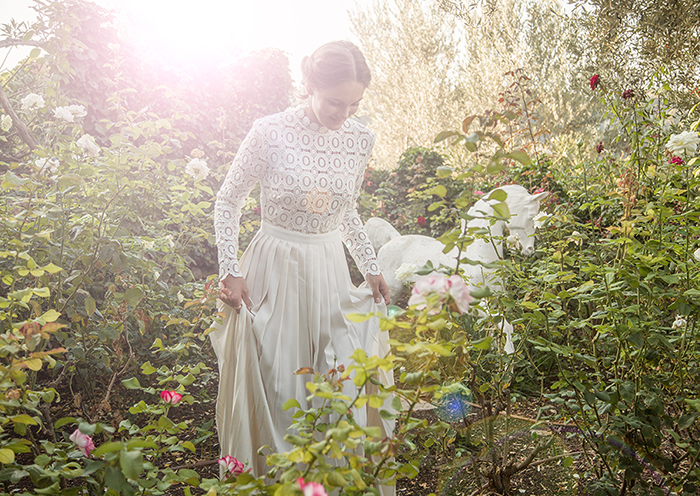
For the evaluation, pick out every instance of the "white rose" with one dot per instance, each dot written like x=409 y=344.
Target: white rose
x=696 y=254
x=6 y=123
x=77 y=110
x=405 y=272
x=513 y=241
x=63 y=113
x=87 y=143
x=197 y=168
x=540 y=219
x=51 y=164
x=686 y=142
x=32 y=100
x=679 y=322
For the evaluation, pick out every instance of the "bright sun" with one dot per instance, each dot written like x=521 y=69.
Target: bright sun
x=190 y=33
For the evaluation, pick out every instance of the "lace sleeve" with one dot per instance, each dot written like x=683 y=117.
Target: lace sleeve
x=354 y=234
x=248 y=167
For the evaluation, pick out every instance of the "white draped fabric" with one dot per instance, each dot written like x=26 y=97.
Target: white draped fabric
x=298 y=279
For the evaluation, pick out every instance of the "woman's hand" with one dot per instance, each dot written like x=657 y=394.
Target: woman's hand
x=379 y=288
x=234 y=291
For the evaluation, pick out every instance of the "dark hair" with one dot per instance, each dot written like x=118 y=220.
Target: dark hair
x=333 y=63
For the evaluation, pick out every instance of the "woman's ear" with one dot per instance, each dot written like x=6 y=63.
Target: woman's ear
x=309 y=90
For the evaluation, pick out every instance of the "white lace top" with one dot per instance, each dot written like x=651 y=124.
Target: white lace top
x=310 y=179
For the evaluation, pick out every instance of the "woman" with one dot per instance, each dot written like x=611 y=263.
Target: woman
x=286 y=300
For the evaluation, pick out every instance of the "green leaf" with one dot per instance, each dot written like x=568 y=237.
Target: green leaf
x=693 y=403
x=90 y=305
x=64 y=421
x=444 y=171
x=359 y=317
x=109 y=447
x=443 y=135
x=501 y=210
x=482 y=344
x=7 y=456
x=132 y=383
x=498 y=195
x=438 y=190
x=133 y=296
x=50 y=316
x=131 y=463
x=42 y=292
x=23 y=419
x=520 y=156
x=479 y=293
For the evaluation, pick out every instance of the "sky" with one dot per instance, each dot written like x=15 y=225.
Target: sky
x=187 y=32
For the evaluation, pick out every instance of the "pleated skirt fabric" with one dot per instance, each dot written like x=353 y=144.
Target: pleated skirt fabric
x=301 y=291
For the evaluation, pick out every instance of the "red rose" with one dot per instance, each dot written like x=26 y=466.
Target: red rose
x=599 y=147
x=595 y=79
x=676 y=161
x=628 y=94
x=421 y=220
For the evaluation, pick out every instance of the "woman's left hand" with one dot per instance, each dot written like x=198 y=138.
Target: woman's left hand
x=379 y=288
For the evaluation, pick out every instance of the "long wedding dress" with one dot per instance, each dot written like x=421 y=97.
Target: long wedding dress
x=297 y=275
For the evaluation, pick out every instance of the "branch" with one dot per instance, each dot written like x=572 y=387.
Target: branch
x=21 y=127
x=10 y=42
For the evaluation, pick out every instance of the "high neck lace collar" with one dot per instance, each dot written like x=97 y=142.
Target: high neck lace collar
x=319 y=128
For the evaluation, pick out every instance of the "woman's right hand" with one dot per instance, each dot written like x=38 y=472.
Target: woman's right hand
x=234 y=291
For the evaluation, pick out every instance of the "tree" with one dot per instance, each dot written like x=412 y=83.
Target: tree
x=434 y=64
x=634 y=39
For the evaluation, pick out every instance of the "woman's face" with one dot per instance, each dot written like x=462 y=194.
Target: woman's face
x=331 y=106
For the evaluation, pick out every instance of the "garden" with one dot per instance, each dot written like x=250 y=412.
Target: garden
x=109 y=171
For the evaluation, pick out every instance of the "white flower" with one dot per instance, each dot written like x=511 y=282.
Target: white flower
x=686 y=142
x=513 y=241
x=32 y=100
x=51 y=164
x=540 y=219
x=87 y=143
x=197 y=168
x=63 y=113
x=575 y=238
x=77 y=110
x=406 y=272
x=5 y=122
x=696 y=254
x=679 y=322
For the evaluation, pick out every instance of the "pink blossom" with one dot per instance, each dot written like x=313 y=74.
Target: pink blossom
x=231 y=464
x=676 y=160
x=478 y=192
x=595 y=80
x=460 y=293
x=171 y=397
x=311 y=488
x=83 y=441
x=443 y=286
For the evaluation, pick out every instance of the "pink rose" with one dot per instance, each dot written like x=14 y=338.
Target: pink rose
x=311 y=488
x=83 y=441
x=231 y=464
x=676 y=160
x=595 y=80
x=460 y=293
x=171 y=397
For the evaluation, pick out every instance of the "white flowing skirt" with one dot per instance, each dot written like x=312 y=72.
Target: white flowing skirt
x=301 y=290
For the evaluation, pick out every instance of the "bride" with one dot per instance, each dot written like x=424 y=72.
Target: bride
x=285 y=300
